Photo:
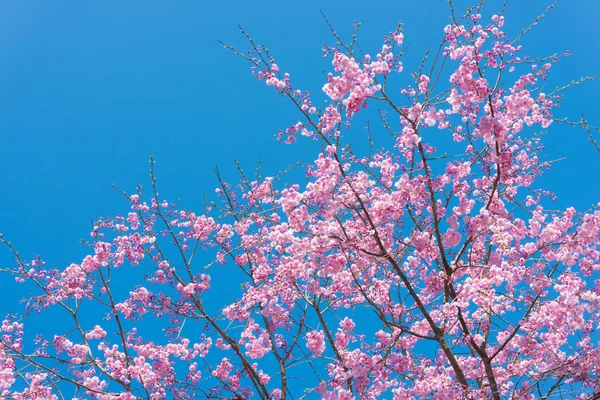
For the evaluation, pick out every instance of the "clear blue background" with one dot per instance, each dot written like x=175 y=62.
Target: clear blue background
x=89 y=90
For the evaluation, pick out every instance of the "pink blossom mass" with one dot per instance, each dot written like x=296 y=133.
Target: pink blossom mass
x=393 y=271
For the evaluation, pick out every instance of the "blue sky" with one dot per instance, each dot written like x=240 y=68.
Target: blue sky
x=89 y=90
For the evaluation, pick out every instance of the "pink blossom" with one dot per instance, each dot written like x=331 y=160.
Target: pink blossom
x=315 y=341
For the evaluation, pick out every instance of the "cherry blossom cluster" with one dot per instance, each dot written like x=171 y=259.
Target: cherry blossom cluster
x=399 y=273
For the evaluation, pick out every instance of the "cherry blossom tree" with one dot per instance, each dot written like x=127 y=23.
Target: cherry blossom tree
x=403 y=272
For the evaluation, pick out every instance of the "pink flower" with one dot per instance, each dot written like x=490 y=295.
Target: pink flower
x=223 y=369
x=96 y=333
x=315 y=341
